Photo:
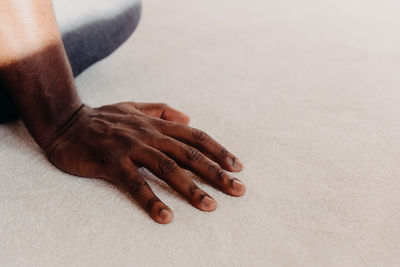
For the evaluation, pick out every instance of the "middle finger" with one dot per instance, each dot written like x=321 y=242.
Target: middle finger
x=200 y=164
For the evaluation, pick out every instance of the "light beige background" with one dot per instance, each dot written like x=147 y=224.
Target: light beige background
x=305 y=92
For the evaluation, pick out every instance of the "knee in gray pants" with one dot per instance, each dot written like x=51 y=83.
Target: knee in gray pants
x=93 y=33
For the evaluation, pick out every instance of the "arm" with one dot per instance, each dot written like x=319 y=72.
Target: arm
x=110 y=142
x=35 y=68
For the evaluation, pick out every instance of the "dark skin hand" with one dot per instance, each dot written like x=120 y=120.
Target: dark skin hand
x=110 y=142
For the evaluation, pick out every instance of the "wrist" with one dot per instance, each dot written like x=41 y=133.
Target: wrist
x=43 y=90
x=45 y=128
x=63 y=129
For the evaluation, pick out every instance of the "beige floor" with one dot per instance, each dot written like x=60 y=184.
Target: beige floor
x=307 y=93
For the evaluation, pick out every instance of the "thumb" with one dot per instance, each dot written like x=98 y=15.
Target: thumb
x=163 y=111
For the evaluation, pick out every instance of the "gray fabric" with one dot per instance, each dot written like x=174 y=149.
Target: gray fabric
x=91 y=30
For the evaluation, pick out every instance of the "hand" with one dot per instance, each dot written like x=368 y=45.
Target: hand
x=112 y=142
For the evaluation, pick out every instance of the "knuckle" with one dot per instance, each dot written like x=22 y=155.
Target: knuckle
x=150 y=203
x=224 y=153
x=161 y=125
x=219 y=174
x=193 y=189
x=199 y=135
x=139 y=126
x=167 y=166
x=135 y=186
x=111 y=157
x=212 y=168
x=191 y=153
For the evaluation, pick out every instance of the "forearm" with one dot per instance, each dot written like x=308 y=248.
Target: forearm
x=35 y=68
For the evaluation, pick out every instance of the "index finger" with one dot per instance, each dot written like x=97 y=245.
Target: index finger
x=205 y=143
x=131 y=179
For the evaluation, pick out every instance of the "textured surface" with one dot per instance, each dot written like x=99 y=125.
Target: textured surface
x=305 y=92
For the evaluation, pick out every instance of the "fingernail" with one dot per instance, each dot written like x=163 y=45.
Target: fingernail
x=238 y=186
x=164 y=214
x=236 y=164
x=208 y=202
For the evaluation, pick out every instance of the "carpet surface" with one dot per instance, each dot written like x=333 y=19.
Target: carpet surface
x=306 y=93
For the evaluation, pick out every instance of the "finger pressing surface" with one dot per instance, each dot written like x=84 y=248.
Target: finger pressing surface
x=169 y=171
x=131 y=179
x=205 y=143
x=192 y=158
